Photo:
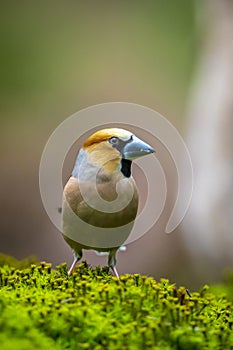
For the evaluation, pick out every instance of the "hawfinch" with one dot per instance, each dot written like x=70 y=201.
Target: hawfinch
x=100 y=200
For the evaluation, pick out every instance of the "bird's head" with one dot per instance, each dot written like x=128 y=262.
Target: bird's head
x=112 y=149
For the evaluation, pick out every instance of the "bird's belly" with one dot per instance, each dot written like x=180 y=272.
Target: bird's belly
x=93 y=228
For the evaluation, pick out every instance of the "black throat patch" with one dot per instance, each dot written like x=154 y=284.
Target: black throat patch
x=126 y=167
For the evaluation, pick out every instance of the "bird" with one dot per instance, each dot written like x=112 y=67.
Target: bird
x=100 y=199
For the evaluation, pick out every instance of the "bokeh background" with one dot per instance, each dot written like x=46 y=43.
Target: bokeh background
x=58 y=57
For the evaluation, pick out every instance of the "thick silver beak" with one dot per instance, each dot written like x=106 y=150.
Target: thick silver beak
x=136 y=148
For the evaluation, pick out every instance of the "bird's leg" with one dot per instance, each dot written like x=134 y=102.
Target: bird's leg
x=72 y=265
x=77 y=257
x=115 y=271
x=112 y=261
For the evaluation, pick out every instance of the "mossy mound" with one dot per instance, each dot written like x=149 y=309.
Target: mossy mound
x=41 y=308
x=13 y=262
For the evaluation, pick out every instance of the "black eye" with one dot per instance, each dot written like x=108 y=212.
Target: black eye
x=113 y=140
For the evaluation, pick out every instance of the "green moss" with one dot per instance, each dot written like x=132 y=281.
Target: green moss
x=43 y=308
x=225 y=289
x=11 y=261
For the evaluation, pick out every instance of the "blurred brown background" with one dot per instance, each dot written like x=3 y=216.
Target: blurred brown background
x=58 y=57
